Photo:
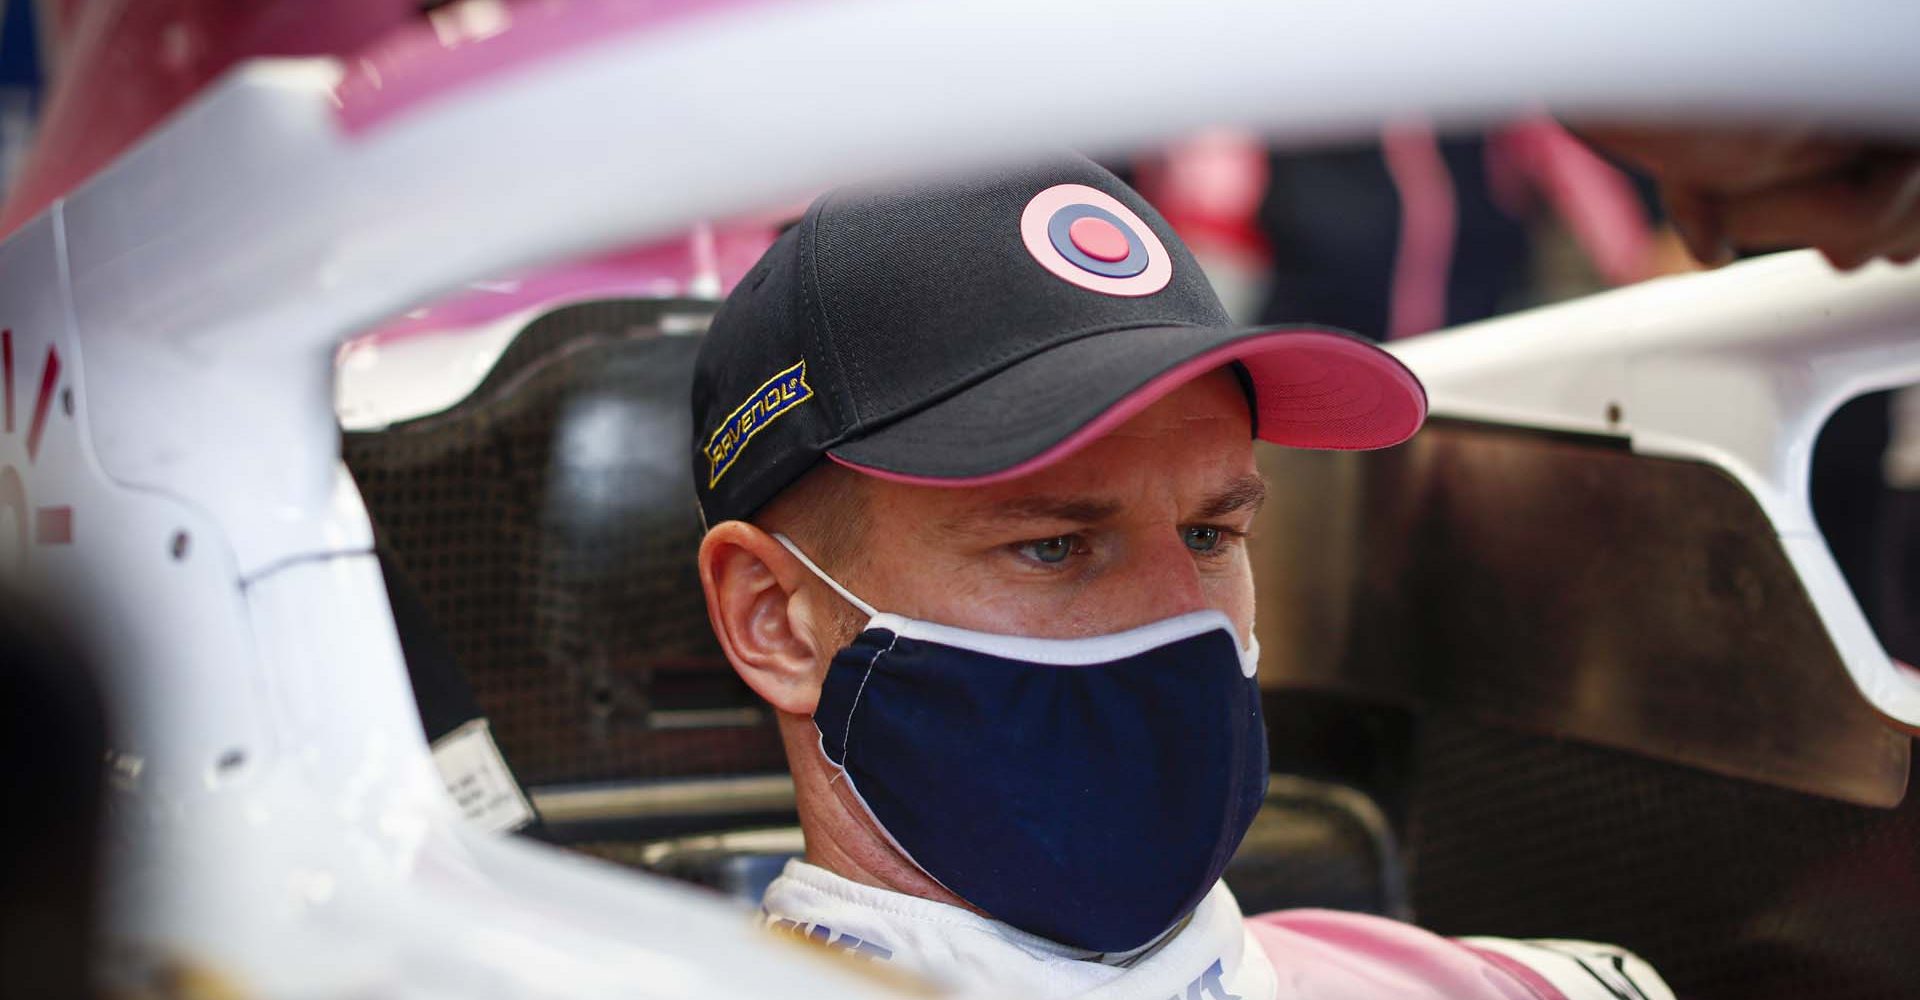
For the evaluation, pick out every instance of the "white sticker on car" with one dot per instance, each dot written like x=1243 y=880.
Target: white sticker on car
x=478 y=779
x=1583 y=970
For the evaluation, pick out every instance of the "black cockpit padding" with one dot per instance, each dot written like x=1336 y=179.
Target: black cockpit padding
x=547 y=522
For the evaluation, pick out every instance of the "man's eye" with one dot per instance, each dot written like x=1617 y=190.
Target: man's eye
x=1203 y=539
x=1048 y=550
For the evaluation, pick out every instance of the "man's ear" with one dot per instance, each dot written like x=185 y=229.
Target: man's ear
x=764 y=614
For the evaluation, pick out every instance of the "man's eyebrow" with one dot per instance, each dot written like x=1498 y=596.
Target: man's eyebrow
x=1076 y=510
x=1246 y=493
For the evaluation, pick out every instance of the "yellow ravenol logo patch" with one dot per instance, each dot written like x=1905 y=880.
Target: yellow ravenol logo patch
x=768 y=403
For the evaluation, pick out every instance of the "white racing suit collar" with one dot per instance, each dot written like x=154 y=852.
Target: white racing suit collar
x=1209 y=956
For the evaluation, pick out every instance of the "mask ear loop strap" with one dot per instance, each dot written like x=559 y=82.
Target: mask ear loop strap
x=824 y=578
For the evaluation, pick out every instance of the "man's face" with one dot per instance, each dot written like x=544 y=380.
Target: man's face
x=1143 y=524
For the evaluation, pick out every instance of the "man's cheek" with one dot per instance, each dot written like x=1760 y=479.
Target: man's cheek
x=975 y=594
x=1233 y=594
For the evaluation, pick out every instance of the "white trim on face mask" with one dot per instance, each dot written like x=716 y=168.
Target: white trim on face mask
x=1051 y=652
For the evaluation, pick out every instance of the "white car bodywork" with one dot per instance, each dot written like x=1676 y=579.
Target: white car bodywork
x=278 y=817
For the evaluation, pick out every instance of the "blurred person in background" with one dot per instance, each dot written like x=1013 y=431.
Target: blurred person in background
x=1414 y=232
x=1420 y=231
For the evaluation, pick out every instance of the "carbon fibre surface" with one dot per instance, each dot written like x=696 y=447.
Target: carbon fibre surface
x=1564 y=584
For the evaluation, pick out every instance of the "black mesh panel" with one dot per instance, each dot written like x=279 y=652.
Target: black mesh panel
x=1733 y=890
x=548 y=523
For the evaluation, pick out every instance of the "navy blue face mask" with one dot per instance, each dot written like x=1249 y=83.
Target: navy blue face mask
x=1090 y=791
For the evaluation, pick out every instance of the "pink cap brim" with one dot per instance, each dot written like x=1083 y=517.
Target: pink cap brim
x=1312 y=388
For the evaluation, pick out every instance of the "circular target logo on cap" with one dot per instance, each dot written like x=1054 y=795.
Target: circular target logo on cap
x=1087 y=237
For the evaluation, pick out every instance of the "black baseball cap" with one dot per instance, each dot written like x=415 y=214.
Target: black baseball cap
x=969 y=330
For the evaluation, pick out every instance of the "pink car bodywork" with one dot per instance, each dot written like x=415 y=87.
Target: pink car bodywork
x=126 y=66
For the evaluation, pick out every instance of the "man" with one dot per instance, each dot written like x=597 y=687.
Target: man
x=976 y=458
